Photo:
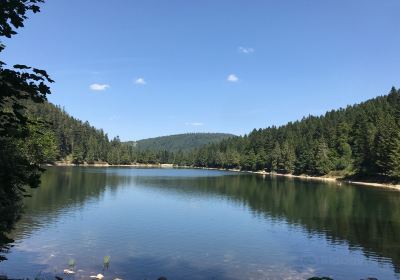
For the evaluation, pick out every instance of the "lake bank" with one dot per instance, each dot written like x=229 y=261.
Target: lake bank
x=337 y=180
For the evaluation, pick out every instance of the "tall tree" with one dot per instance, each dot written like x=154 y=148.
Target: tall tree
x=18 y=84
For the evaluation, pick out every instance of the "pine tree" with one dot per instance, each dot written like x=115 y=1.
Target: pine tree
x=261 y=159
x=288 y=158
x=322 y=162
x=275 y=157
x=394 y=155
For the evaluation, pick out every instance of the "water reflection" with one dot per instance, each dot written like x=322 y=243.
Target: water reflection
x=366 y=218
x=357 y=217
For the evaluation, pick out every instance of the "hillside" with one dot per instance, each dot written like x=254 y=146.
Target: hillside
x=70 y=139
x=75 y=140
x=181 y=142
x=361 y=141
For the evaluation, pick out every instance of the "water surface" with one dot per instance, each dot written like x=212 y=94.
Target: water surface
x=200 y=224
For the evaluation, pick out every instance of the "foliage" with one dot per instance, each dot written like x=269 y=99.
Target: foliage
x=363 y=140
x=82 y=143
x=180 y=142
x=19 y=165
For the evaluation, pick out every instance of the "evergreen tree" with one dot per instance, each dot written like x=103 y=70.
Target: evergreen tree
x=275 y=157
x=261 y=159
x=288 y=158
x=322 y=162
x=394 y=155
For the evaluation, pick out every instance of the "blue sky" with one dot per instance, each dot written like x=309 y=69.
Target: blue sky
x=147 y=68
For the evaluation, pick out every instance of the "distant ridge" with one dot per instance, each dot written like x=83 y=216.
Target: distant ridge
x=180 y=142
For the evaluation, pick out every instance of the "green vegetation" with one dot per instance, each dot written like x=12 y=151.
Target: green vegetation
x=22 y=144
x=361 y=140
x=73 y=139
x=76 y=141
x=180 y=142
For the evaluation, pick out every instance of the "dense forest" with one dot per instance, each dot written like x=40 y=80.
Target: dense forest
x=180 y=142
x=64 y=138
x=361 y=140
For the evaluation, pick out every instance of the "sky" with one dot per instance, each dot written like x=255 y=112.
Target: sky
x=148 y=68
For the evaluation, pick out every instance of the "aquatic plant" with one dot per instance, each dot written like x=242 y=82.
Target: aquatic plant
x=106 y=261
x=71 y=263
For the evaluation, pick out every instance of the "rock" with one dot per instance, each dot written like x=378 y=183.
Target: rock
x=98 y=276
x=68 y=271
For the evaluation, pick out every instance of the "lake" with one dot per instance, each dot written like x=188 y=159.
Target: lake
x=204 y=224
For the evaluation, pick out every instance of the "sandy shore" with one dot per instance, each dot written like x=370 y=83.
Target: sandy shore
x=337 y=180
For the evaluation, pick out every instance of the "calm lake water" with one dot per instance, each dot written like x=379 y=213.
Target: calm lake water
x=200 y=224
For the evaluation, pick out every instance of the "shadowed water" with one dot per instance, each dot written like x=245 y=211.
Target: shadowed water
x=198 y=224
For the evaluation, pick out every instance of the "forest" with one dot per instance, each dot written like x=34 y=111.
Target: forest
x=362 y=140
x=181 y=142
x=64 y=138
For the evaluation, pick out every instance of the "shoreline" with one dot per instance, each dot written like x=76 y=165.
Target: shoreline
x=338 y=180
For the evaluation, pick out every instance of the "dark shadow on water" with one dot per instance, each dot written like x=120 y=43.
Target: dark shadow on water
x=8 y=217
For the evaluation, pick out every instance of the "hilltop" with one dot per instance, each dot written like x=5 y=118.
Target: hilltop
x=180 y=142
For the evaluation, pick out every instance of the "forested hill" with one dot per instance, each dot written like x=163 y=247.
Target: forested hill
x=180 y=142
x=361 y=140
x=63 y=137
x=67 y=137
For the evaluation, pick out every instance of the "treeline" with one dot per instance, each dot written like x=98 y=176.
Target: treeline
x=65 y=138
x=361 y=140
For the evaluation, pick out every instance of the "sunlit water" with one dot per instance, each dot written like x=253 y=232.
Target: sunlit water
x=198 y=224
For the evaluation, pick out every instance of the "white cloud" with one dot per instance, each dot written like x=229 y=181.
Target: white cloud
x=140 y=81
x=195 y=123
x=245 y=50
x=232 y=78
x=99 y=87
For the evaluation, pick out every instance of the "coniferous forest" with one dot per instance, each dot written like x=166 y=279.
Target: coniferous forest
x=362 y=140
x=71 y=140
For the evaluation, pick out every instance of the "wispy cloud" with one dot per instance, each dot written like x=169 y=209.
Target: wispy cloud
x=99 y=87
x=245 y=50
x=232 y=78
x=140 y=81
x=195 y=123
